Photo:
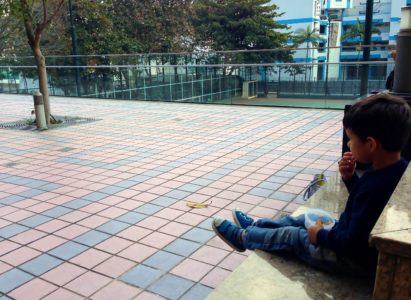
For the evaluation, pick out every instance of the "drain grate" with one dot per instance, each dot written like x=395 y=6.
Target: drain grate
x=29 y=125
x=10 y=164
x=66 y=149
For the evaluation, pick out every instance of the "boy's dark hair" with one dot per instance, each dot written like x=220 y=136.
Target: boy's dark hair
x=383 y=117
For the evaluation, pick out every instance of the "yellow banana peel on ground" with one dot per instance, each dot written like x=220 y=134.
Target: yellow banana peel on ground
x=192 y=204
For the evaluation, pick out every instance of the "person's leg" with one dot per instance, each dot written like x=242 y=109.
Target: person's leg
x=281 y=222
x=243 y=221
x=289 y=238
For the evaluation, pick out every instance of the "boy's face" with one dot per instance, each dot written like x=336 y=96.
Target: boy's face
x=360 y=149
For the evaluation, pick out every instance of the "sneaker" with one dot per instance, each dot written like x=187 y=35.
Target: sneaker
x=241 y=219
x=229 y=233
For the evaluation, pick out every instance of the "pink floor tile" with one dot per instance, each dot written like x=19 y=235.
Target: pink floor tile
x=34 y=289
x=46 y=196
x=291 y=207
x=218 y=243
x=111 y=200
x=291 y=189
x=148 y=296
x=134 y=233
x=19 y=256
x=7 y=246
x=116 y=290
x=232 y=261
x=230 y=195
x=94 y=208
x=5 y=210
x=61 y=200
x=130 y=204
x=127 y=193
x=152 y=223
x=71 y=231
x=251 y=199
x=63 y=274
x=215 y=277
x=47 y=243
x=112 y=212
x=137 y=252
x=88 y=283
x=220 y=202
x=114 y=244
x=90 y=258
x=77 y=193
x=115 y=266
x=191 y=219
x=18 y=215
x=263 y=212
x=159 y=190
x=175 y=228
x=93 y=221
x=145 y=197
x=209 y=191
x=157 y=240
x=28 y=236
x=191 y=269
x=74 y=216
x=63 y=294
x=53 y=225
x=4 y=267
x=272 y=203
x=209 y=255
x=181 y=205
x=169 y=213
x=26 y=203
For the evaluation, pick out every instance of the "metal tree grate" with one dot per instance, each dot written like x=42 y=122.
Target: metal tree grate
x=30 y=125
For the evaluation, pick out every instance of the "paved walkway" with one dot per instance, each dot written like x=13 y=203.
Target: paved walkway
x=99 y=210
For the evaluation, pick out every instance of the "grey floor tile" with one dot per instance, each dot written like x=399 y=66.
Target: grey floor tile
x=12 y=279
x=198 y=235
x=68 y=250
x=182 y=247
x=162 y=260
x=164 y=201
x=11 y=230
x=197 y=292
x=112 y=227
x=141 y=276
x=131 y=217
x=41 y=264
x=148 y=209
x=91 y=238
x=171 y=286
x=35 y=221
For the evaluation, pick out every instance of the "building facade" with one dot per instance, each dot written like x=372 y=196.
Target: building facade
x=334 y=20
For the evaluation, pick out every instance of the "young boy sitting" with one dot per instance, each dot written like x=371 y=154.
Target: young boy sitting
x=378 y=127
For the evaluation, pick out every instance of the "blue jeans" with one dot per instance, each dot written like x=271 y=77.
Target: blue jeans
x=289 y=234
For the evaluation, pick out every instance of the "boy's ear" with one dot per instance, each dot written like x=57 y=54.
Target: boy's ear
x=372 y=143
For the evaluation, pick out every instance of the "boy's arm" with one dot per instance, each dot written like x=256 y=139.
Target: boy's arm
x=349 y=183
x=346 y=166
x=363 y=218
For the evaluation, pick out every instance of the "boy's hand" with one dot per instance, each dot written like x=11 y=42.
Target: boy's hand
x=346 y=166
x=313 y=230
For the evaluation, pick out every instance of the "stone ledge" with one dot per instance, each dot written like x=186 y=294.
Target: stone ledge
x=271 y=276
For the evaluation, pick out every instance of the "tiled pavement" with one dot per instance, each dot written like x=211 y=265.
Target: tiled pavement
x=99 y=210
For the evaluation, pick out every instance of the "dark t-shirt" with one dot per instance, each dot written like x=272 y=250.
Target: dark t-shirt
x=366 y=201
x=389 y=83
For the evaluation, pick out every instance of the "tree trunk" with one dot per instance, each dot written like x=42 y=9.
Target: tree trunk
x=43 y=84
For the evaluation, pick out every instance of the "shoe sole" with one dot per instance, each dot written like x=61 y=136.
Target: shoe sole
x=225 y=240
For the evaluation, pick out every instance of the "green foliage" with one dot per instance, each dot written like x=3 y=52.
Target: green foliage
x=239 y=25
x=358 y=31
x=308 y=35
